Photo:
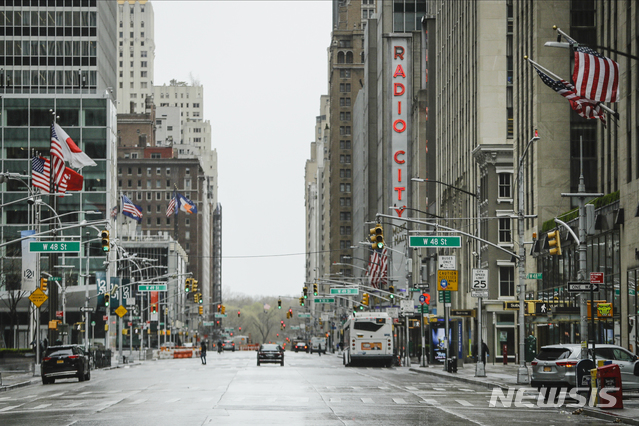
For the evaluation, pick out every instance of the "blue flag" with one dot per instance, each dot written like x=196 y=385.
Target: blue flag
x=185 y=204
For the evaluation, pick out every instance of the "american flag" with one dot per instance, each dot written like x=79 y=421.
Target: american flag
x=596 y=77
x=584 y=107
x=171 y=209
x=377 y=270
x=40 y=171
x=57 y=158
x=114 y=212
x=129 y=207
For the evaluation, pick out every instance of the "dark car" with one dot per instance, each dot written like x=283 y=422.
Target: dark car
x=300 y=346
x=64 y=362
x=228 y=345
x=270 y=352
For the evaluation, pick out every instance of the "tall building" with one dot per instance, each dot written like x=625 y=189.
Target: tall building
x=136 y=54
x=56 y=58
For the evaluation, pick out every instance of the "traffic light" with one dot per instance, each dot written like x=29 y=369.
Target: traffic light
x=219 y=308
x=314 y=289
x=377 y=237
x=238 y=314
x=240 y=328
x=154 y=308
x=43 y=284
x=365 y=299
x=196 y=298
x=279 y=303
x=290 y=312
x=554 y=242
x=193 y=285
x=282 y=325
x=106 y=244
x=107 y=299
x=391 y=290
x=305 y=292
x=201 y=310
x=200 y=299
x=223 y=309
x=187 y=285
x=301 y=301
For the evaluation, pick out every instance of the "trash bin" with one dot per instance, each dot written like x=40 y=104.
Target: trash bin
x=451 y=365
x=609 y=386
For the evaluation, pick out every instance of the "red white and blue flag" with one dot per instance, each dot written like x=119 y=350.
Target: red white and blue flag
x=131 y=210
x=377 y=271
x=40 y=177
x=596 y=77
x=172 y=208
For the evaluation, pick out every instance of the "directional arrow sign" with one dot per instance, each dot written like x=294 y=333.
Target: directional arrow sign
x=581 y=286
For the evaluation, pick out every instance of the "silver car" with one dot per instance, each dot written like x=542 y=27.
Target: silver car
x=556 y=365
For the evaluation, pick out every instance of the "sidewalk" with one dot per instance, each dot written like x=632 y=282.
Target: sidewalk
x=505 y=377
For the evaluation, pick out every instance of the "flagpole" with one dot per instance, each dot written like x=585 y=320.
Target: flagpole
x=175 y=224
x=556 y=77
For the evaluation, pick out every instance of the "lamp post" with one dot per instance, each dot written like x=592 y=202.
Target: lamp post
x=522 y=372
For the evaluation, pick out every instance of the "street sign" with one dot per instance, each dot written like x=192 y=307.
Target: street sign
x=434 y=241
x=38 y=297
x=597 y=277
x=220 y=315
x=121 y=311
x=208 y=323
x=55 y=278
x=55 y=246
x=301 y=315
x=424 y=309
x=59 y=314
x=152 y=287
x=581 y=286
x=324 y=300
x=534 y=276
x=347 y=290
x=511 y=306
x=479 y=293
x=444 y=297
x=86 y=309
x=447 y=280
x=480 y=279
x=447 y=262
x=463 y=312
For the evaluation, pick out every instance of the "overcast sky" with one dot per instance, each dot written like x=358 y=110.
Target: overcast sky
x=263 y=65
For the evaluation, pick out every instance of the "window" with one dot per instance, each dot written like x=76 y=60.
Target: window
x=345 y=202
x=148 y=171
x=129 y=183
x=168 y=171
x=129 y=171
x=196 y=105
x=345 y=173
x=344 y=144
x=158 y=184
x=505 y=233
x=143 y=64
x=158 y=221
x=187 y=171
x=345 y=230
x=345 y=116
x=143 y=54
x=345 y=130
x=505 y=185
x=143 y=74
x=506 y=281
x=148 y=196
x=158 y=196
x=344 y=102
x=345 y=216
x=345 y=87
x=345 y=159
x=345 y=187
x=345 y=73
x=156 y=155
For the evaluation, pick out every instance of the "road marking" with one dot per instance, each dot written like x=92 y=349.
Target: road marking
x=39 y=407
x=73 y=404
x=85 y=393
x=466 y=390
x=335 y=399
x=367 y=400
x=430 y=401
x=5 y=398
x=138 y=401
x=464 y=403
x=383 y=387
x=399 y=401
x=170 y=401
x=55 y=394
x=10 y=407
x=439 y=389
x=411 y=388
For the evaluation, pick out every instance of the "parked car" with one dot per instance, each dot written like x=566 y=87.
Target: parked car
x=270 y=352
x=300 y=346
x=556 y=365
x=64 y=362
x=228 y=345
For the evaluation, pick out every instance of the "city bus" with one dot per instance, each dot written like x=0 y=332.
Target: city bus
x=368 y=337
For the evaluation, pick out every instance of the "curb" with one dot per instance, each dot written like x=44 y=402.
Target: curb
x=603 y=415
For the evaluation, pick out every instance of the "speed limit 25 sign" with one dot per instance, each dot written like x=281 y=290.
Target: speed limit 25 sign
x=480 y=283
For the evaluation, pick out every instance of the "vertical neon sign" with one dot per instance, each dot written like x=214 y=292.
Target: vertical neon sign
x=400 y=111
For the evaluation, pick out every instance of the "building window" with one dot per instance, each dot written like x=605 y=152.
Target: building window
x=158 y=196
x=345 y=230
x=148 y=196
x=187 y=171
x=345 y=73
x=345 y=216
x=345 y=116
x=344 y=102
x=143 y=64
x=345 y=173
x=505 y=233
x=345 y=87
x=345 y=202
x=158 y=171
x=505 y=185
x=506 y=281
x=344 y=144
x=158 y=221
x=143 y=74
x=345 y=187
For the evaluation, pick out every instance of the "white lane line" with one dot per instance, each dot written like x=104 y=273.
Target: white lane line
x=5 y=398
x=439 y=389
x=466 y=390
x=367 y=400
x=464 y=403
x=73 y=404
x=411 y=388
x=55 y=394
x=39 y=407
x=399 y=401
x=85 y=393
x=138 y=401
x=170 y=401
x=10 y=407
x=430 y=402
x=335 y=399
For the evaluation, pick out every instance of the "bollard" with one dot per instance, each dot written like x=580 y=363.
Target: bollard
x=593 y=387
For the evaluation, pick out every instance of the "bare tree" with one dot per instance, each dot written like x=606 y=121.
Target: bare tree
x=12 y=283
x=264 y=322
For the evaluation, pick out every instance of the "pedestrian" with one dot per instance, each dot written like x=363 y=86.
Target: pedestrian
x=484 y=351
x=219 y=346
x=319 y=349
x=203 y=352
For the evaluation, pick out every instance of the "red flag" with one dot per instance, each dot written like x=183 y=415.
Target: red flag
x=596 y=77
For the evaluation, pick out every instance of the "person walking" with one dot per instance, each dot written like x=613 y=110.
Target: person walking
x=484 y=351
x=319 y=349
x=219 y=346
x=203 y=352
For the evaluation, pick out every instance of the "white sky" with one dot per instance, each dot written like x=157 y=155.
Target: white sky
x=263 y=65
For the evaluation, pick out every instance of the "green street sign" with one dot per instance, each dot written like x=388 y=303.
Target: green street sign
x=220 y=315
x=439 y=241
x=208 y=323
x=324 y=300
x=348 y=291
x=152 y=287
x=54 y=246
x=534 y=276
x=303 y=315
x=444 y=296
x=55 y=278
x=424 y=308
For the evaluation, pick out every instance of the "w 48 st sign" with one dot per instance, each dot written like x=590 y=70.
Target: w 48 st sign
x=479 y=287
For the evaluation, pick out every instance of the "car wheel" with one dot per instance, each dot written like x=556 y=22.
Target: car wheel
x=282 y=363
x=45 y=381
x=88 y=375
x=81 y=376
x=636 y=369
x=51 y=381
x=258 y=363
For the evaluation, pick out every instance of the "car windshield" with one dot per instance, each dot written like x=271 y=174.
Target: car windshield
x=59 y=352
x=552 y=354
x=270 y=348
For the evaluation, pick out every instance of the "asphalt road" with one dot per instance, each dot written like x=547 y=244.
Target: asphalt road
x=232 y=390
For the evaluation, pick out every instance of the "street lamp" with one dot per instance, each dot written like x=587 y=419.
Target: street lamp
x=522 y=372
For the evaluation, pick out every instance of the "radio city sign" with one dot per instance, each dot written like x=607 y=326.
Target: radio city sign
x=400 y=119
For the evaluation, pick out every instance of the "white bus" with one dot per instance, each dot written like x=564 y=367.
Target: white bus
x=368 y=336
